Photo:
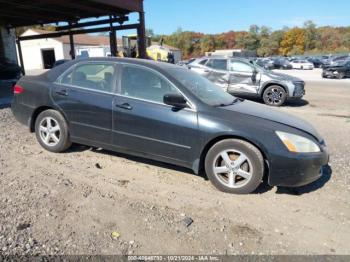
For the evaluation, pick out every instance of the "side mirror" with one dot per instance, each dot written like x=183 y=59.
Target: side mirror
x=175 y=100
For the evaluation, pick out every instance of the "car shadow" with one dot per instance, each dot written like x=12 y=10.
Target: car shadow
x=263 y=188
x=296 y=103
x=298 y=191
x=76 y=148
x=289 y=103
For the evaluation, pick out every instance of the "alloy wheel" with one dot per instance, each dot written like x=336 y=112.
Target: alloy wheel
x=274 y=96
x=233 y=168
x=49 y=131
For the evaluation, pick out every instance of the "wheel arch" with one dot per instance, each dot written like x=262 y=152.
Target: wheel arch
x=267 y=85
x=37 y=112
x=219 y=138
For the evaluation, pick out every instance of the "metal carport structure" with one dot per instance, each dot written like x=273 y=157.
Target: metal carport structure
x=114 y=13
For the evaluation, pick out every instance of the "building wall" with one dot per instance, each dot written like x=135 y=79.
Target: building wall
x=31 y=51
x=93 y=51
x=8 y=44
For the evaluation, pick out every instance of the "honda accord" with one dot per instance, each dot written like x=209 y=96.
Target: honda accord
x=170 y=114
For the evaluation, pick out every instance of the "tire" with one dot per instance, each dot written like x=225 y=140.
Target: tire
x=229 y=180
x=274 y=96
x=52 y=132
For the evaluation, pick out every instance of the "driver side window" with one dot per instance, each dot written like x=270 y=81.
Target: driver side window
x=94 y=76
x=237 y=66
x=142 y=83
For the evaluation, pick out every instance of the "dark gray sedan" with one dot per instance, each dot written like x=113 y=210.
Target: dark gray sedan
x=170 y=114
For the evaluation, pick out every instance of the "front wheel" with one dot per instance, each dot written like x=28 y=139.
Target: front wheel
x=341 y=75
x=51 y=131
x=274 y=96
x=234 y=166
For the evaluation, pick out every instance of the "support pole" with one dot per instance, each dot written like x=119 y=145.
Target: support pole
x=112 y=39
x=141 y=33
x=20 y=55
x=71 y=42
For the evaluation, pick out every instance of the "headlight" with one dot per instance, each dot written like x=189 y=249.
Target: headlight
x=298 y=144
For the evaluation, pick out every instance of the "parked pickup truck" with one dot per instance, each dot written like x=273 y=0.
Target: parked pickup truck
x=240 y=77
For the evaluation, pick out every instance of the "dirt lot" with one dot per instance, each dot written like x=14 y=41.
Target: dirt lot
x=71 y=203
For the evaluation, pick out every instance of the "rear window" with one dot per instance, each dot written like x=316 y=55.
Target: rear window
x=95 y=76
x=218 y=64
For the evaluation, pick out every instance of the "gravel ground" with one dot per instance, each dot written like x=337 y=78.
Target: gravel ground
x=90 y=201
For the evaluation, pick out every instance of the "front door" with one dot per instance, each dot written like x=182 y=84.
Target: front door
x=85 y=95
x=243 y=78
x=143 y=124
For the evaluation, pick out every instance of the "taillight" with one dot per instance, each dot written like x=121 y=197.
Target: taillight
x=18 y=89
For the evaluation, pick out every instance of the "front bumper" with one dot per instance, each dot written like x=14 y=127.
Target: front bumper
x=299 y=90
x=294 y=170
x=330 y=74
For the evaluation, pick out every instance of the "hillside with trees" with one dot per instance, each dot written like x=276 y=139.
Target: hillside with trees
x=308 y=39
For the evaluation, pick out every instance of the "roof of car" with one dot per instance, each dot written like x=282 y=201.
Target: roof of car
x=223 y=57
x=54 y=73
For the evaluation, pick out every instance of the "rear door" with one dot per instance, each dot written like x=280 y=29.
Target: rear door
x=217 y=72
x=243 y=78
x=143 y=124
x=85 y=95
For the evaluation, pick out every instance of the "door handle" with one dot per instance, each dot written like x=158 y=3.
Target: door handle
x=124 y=106
x=62 y=92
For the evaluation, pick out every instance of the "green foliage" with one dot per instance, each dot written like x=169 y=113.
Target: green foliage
x=308 y=39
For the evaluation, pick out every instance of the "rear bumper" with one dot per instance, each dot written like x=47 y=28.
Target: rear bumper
x=298 y=169
x=21 y=112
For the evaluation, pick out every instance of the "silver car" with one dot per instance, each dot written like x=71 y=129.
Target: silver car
x=240 y=77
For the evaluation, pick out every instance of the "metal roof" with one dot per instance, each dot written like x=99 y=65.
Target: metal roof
x=15 y=13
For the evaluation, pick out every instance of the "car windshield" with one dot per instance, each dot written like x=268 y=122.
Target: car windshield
x=202 y=88
x=257 y=66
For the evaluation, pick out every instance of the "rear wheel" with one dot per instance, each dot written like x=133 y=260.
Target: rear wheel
x=51 y=131
x=274 y=96
x=234 y=166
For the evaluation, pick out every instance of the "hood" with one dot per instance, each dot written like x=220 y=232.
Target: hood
x=333 y=67
x=282 y=77
x=266 y=112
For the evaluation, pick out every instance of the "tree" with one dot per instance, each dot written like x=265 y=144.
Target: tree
x=287 y=41
x=208 y=44
x=293 y=42
x=265 y=42
x=311 y=35
x=250 y=41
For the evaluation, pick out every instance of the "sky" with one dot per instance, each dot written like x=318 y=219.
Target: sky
x=217 y=16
